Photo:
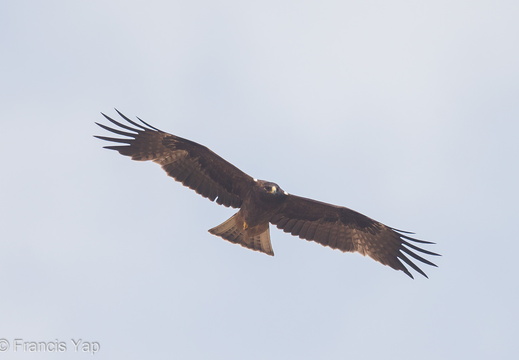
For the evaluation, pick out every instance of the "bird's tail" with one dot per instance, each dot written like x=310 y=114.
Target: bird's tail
x=236 y=231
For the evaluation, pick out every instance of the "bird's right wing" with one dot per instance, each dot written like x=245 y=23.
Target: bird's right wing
x=192 y=164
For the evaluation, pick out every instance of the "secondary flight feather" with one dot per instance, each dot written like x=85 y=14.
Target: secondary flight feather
x=263 y=202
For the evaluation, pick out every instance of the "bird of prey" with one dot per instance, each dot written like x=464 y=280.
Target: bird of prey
x=263 y=202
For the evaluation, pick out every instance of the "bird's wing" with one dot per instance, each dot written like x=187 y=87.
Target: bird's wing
x=347 y=230
x=192 y=164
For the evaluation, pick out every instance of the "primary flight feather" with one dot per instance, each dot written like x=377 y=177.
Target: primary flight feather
x=263 y=202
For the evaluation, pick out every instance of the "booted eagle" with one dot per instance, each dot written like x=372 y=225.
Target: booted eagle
x=263 y=202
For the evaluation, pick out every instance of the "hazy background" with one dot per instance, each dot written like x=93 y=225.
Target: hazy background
x=406 y=111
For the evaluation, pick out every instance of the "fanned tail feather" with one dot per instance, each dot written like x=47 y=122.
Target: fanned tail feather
x=233 y=230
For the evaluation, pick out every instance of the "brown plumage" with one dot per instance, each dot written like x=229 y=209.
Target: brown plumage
x=262 y=202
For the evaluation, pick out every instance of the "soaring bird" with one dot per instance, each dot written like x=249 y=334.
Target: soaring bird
x=263 y=202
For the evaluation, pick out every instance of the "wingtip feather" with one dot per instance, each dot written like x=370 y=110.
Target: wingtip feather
x=150 y=126
x=411 y=264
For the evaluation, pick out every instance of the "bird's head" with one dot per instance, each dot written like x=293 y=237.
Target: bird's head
x=270 y=188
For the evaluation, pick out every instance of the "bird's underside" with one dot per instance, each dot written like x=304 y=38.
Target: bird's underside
x=262 y=202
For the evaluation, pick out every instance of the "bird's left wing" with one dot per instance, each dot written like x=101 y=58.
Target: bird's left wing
x=349 y=231
x=194 y=165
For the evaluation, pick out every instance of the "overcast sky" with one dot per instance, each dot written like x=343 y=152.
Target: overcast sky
x=405 y=111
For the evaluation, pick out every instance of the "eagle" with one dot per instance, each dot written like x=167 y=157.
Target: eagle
x=263 y=202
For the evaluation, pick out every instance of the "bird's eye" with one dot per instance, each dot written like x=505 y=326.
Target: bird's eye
x=270 y=189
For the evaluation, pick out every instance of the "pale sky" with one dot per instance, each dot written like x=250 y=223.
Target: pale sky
x=405 y=111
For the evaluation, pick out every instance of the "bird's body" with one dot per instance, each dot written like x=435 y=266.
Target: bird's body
x=263 y=202
x=249 y=227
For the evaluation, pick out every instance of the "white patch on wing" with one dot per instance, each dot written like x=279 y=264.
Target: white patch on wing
x=285 y=192
x=255 y=180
